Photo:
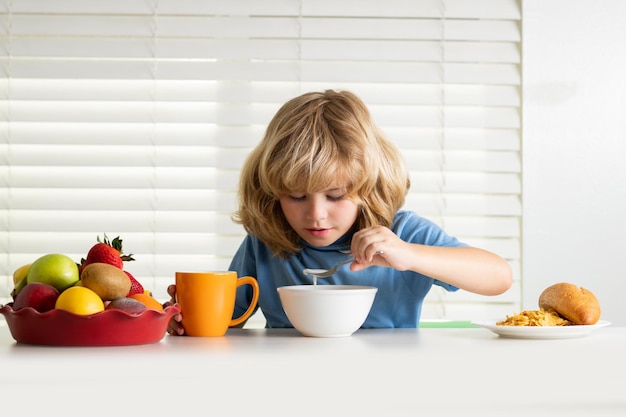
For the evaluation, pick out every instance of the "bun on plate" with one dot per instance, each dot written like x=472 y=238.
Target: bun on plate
x=574 y=303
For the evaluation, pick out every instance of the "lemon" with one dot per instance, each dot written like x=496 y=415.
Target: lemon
x=19 y=278
x=80 y=300
x=20 y=273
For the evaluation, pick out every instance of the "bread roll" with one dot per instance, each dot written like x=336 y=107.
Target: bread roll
x=571 y=302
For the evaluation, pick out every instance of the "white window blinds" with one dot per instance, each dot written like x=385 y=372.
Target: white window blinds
x=133 y=117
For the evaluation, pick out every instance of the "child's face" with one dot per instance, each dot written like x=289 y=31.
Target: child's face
x=320 y=218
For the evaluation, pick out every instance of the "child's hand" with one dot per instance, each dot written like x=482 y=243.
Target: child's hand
x=175 y=326
x=378 y=245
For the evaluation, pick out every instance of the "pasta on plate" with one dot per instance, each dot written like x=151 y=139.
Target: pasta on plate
x=534 y=318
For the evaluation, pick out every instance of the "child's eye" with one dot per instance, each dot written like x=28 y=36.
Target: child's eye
x=336 y=197
x=297 y=197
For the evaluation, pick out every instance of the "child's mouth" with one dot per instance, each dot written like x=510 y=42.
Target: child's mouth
x=319 y=232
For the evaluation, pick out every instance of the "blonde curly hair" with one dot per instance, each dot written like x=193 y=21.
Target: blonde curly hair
x=315 y=141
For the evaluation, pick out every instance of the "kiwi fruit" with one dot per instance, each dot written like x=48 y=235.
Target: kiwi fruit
x=108 y=281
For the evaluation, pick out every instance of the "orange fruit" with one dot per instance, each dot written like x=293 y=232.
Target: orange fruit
x=80 y=300
x=148 y=301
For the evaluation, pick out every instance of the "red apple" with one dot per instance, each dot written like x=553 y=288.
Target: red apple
x=37 y=295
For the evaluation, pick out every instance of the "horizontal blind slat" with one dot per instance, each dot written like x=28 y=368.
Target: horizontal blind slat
x=197 y=134
x=206 y=91
x=136 y=49
x=429 y=8
x=493 y=9
x=434 y=205
x=202 y=112
x=112 y=157
x=308 y=71
x=130 y=134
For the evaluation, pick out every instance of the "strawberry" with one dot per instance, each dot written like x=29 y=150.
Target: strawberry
x=106 y=252
x=135 y=287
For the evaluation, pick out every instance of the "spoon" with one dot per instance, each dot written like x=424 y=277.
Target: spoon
x=325 y=273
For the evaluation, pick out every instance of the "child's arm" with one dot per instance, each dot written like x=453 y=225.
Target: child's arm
x=472 y=269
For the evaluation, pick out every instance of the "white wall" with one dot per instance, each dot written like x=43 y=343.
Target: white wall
x=574 y=149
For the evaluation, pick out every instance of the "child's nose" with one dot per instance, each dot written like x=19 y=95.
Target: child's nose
x=317 y=209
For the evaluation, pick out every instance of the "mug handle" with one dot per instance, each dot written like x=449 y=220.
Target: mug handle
x=255 y=299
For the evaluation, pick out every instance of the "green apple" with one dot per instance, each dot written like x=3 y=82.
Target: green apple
x=55 y=269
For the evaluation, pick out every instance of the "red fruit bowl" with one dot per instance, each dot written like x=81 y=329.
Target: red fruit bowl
x=107 y=328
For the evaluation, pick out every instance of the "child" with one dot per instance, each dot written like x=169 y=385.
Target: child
x=323 y=181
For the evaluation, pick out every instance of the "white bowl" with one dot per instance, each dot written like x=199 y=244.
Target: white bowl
x=327 y=310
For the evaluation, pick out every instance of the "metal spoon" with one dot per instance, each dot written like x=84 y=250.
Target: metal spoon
x=325 y=273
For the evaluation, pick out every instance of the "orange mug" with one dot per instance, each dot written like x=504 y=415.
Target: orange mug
x=207 y=301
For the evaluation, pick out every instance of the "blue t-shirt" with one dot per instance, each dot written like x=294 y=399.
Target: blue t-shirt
x=398 y=301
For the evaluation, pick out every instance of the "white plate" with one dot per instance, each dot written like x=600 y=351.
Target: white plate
x=541 y=332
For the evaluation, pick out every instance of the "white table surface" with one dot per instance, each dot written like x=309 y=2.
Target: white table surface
x=388 y=373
